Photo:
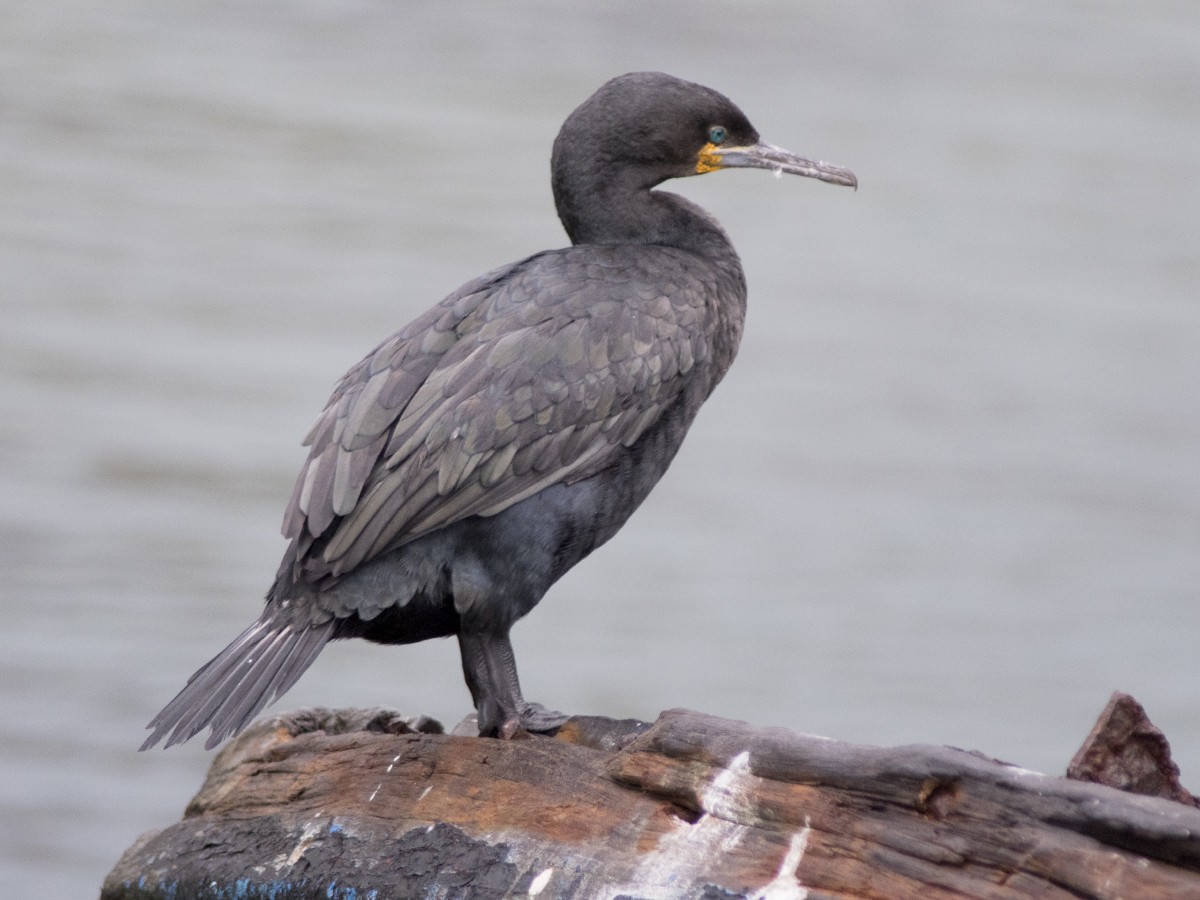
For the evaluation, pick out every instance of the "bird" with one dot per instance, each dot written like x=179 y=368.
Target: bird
x=476 y=455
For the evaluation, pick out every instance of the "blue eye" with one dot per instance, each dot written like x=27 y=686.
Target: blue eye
x=716 y=134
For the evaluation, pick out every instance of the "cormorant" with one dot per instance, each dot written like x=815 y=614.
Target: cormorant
x=477 y=454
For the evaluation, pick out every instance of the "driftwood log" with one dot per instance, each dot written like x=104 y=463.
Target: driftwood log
x=367 y=805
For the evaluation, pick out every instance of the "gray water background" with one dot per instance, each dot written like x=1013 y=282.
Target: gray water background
x=949 y=493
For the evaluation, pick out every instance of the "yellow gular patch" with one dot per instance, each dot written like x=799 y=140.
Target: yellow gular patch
x=707 y=160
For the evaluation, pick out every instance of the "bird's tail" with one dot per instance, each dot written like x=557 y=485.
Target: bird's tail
x=232 y=688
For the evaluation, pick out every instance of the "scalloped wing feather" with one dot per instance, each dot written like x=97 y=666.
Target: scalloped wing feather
x=530 y=392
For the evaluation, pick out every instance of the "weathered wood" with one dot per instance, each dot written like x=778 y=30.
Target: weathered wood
x=369 y=805
x=1126 y=751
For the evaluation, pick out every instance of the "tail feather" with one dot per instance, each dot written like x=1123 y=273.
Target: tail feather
x=200 y=698
x=312 y=642
x=240 y=704
x=228 y=691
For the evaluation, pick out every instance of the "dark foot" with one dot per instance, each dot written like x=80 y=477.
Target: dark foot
x=491 y=675
x=533 y=719
x=536 y=717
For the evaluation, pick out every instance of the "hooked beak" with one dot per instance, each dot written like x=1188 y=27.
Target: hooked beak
x=767 y=156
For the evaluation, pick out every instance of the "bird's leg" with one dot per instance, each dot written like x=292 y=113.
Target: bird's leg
x=491 y=673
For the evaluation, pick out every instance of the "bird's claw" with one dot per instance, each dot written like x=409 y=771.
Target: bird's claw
x=535 y=717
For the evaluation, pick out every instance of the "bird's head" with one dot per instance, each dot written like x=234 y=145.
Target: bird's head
x=648 y=126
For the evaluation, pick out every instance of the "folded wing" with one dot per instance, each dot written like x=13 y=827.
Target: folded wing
x=533 y=375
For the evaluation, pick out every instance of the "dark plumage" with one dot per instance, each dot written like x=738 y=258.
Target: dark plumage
x=479 y=453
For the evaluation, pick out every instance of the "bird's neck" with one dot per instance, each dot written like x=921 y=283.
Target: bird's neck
x=641 y=216
x=614 y=212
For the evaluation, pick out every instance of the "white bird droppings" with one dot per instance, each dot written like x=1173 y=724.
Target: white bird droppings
x=786 y=883
x=307 y=837
x=388 y=771
x=691 y=848
x=729 y=789
x=540 y=881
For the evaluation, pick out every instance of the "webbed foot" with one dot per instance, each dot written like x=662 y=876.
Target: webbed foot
x=491 y=674
x=535 y=717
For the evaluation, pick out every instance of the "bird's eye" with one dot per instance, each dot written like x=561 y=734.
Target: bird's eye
x=716 y=134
